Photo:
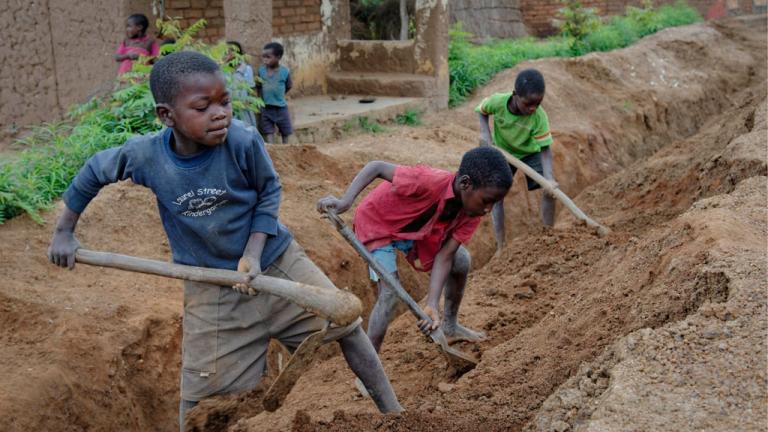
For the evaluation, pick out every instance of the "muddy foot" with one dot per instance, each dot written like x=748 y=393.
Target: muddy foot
x=361 y=388
x=460 y=333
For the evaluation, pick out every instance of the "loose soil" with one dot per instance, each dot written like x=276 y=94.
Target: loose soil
x=660 y=325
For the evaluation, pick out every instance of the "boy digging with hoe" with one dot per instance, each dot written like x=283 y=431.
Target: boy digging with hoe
x=428 y=214
x=218 y=196
x=520 y=128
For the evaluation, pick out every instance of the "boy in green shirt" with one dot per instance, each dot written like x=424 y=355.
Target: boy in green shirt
x=521 y=128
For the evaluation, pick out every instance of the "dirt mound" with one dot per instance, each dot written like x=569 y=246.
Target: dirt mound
x=706 y=372
x=100 y=349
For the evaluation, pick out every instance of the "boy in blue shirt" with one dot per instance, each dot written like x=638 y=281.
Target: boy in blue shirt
x=218 y=196
x=275 y=83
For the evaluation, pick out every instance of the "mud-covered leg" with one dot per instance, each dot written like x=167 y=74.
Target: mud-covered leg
x=497 y=216
x=548 y=210
x=382 y=314
x=365 y=363
x=454 y=292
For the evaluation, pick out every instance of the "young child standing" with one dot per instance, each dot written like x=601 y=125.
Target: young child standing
x=428 y=214
x=243 y=75
x=275 y=83
x=521 y=128
x=136 y=43
x=218 y=196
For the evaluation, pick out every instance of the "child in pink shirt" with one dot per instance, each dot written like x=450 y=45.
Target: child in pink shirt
x=136 y=43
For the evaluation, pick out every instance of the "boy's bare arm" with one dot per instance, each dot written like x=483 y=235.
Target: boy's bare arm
x=369 y=173
x=485 y=130
x=437 y=279
x=64 y=244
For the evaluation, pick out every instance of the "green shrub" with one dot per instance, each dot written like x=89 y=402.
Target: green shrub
x=576 y=20
x=471 y=66
x=409 y=117
x=32 y=179
x=370 y=126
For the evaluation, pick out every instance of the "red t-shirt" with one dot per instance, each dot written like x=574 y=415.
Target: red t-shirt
x=390 y=207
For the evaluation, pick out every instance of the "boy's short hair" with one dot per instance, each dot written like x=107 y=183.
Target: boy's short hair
x=486 y=167
x=237 y=45
x=167 y=73
x=276 y=48
x=528 y=82
x=140 y=19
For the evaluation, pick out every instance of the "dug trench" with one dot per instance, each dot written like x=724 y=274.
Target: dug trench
x=662 y=141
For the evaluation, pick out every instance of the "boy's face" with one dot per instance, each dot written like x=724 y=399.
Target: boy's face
x=479 y=201
x=201 y=112
x=132 y=30
x=269 y=58
x=527 y=104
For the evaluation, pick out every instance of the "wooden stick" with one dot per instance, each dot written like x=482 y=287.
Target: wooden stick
x=339 y=306
x=555 y=192
x=460 y=361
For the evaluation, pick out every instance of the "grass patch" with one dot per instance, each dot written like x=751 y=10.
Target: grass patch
x=472 y=66
x=33 y=178
x=370 y=126
x=409 y=117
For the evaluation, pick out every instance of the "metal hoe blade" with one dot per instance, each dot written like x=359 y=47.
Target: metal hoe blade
x=299 y=362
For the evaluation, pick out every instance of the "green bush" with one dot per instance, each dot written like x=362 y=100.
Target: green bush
x=471 y=66
x=32 y=179
x=409 y=117
x=370 y=126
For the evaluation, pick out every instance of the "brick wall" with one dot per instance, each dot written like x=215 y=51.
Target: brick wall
x=538 y=14
x=293 y=17
x=189 y=11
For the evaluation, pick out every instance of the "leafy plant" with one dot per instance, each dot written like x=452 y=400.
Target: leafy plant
x=409 y=117
x=33 y=178
x=577 y=21
x=370 y=126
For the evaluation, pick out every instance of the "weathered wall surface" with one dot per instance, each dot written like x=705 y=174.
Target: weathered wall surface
x=189 y=11
x=294 y=17
x=489 y=18
x=312 y=54
x=55 y=53
x=27 y=79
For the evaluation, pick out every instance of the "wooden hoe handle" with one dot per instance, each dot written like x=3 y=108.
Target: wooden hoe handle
x=339 y=306
x=556 y=192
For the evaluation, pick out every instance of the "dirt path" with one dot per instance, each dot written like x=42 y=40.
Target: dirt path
x=660 y=139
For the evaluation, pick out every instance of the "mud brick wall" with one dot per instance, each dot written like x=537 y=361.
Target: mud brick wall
x=56 y=53
x=189 y=11
x=293 y=17
x=538 y=14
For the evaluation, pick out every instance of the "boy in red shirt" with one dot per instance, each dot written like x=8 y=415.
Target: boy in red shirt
x=428 y=214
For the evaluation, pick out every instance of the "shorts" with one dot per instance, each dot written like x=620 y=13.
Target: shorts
x=533 y=161
x=272 y=116
x=226 y=334
x=387 y=256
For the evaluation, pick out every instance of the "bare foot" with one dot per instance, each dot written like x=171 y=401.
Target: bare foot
x=460 y=333
x=361 y=389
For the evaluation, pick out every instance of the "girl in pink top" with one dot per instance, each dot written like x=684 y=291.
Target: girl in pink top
x=136 y=43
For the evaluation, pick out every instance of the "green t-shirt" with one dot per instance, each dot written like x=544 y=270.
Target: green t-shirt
x=519 y=135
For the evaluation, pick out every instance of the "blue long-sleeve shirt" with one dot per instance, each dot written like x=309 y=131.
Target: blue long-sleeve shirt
x=209 y=203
